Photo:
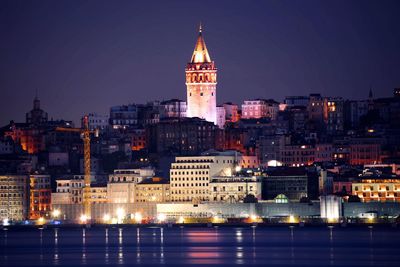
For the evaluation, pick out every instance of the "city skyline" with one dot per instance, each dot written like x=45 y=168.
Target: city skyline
x=79 y=67
x=180 y=133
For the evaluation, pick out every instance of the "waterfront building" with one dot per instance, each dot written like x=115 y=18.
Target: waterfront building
x=40 y=196
x=154 y=189
x=232 y=189
x=70 y=191
x=379 y=189
x=122 y=184
x=292 y=182
x=14 y=197
x=190 y=177
x=201 y=83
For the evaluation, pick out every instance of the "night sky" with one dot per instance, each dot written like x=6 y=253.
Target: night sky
x=85 y=56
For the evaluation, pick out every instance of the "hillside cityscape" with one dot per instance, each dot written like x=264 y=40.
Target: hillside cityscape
x=306 y=158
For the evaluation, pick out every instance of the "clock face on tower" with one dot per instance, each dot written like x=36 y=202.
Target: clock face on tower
x=201 y=83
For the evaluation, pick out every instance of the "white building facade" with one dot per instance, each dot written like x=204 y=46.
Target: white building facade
x=190 y=177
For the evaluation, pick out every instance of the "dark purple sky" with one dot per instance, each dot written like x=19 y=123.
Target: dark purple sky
x=85 y=56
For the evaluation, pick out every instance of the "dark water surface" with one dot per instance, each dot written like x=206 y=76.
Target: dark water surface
x=223 y=246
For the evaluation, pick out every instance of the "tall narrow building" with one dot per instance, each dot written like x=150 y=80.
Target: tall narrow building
x=201 y=83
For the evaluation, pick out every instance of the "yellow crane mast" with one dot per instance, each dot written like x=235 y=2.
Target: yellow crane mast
x=85 y=134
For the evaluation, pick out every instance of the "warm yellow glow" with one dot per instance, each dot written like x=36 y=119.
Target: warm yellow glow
x=371 y=218
x=138 y=217
x=332 y=220
x=41 y=220
x=56 y=213
x=292 y=219
x=106 y=217
x=181 y=220
x=217 y=219
x=120 y=213
x=161 y=217
x=83 y=218
x=253 y=218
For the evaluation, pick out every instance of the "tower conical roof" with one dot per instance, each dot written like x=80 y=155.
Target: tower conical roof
x=200 y=53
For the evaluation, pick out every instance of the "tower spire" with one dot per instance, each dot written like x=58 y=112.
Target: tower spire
x=200 y=53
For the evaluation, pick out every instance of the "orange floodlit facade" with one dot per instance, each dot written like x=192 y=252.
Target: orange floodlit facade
x=381 y=190
x=40 y=196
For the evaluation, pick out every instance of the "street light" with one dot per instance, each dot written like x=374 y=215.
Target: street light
x=106 y=217
x=56 y=213
x=161 y=217
x=41 y=220
x=6 y=222
x=120 y=214
x=292 y=219
x=238 y=168
x=138 y=217
x=83 y=218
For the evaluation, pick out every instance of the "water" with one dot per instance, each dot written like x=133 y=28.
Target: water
x=223 y=246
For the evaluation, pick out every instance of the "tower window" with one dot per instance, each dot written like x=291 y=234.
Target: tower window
x=201 y=94
x=212 y=94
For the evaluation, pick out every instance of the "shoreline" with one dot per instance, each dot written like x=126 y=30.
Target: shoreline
x=206 y=225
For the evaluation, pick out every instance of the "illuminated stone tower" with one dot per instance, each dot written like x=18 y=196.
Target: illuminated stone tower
x=201 y=83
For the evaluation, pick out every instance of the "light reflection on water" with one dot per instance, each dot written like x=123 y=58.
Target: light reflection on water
x=124 y=245
x=56 y=246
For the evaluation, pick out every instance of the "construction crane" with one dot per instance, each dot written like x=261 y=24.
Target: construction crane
x=85 y=134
